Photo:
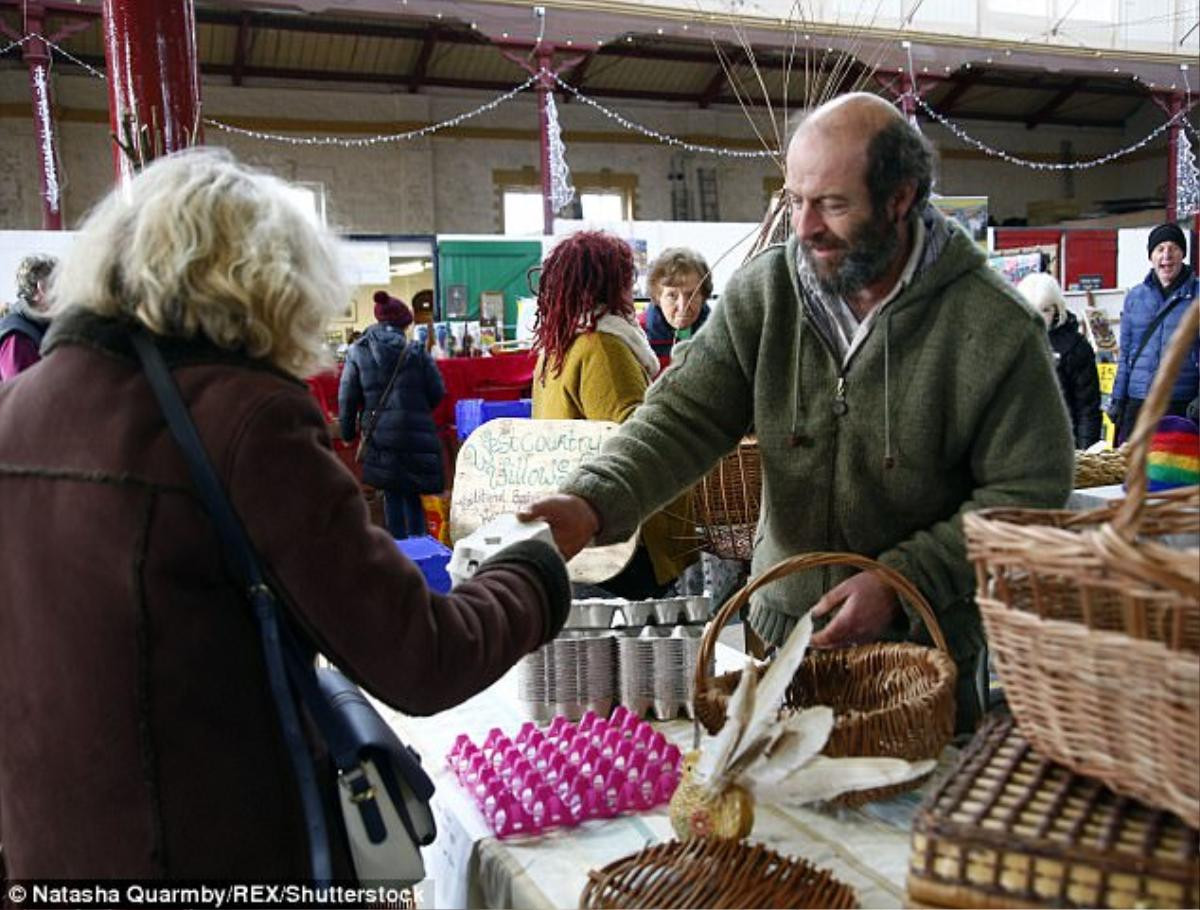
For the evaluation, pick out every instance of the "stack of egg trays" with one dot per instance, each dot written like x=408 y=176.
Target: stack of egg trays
x=641 y=654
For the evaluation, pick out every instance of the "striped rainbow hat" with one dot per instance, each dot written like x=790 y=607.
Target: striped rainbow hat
x=1174 y=459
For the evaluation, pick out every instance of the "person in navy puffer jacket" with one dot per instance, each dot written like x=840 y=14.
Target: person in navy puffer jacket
x=402 y=455
x=1169 y=284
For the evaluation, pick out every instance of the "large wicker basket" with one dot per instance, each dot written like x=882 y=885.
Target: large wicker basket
x=889 y=699
x=1009 y=828
x=725 y=503
x=1095 y=625
x=713 y=872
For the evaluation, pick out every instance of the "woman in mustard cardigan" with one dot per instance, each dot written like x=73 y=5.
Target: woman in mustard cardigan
x=595 y=363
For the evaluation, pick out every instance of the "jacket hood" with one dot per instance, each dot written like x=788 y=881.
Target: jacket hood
x=1069 y=325
x=384 y=341
x=110 y=336
x=948 y=255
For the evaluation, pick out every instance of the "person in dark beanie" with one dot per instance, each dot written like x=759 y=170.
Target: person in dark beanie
x=388 y=391
x=1149 y=317
x=22 y=327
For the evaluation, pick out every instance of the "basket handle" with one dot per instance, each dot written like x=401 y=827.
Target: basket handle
x=1128 y=519
x=800 y=563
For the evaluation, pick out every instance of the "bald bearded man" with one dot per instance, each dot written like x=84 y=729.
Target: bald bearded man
x=894 y=382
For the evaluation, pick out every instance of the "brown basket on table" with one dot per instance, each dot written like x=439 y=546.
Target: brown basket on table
x=1100 y=469
x=890 y=699
x=713 y=872
x=725 y=503
x=1009 y=828
x=1094 y=626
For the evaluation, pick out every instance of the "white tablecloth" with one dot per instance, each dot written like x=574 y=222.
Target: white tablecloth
x=469 y=867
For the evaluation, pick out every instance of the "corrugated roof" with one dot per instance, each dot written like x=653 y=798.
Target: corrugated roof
x=247 y=44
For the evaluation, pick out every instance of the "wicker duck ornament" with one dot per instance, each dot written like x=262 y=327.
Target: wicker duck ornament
x=760 y=751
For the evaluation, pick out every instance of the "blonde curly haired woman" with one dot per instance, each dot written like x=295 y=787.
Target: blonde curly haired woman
x=140 y=738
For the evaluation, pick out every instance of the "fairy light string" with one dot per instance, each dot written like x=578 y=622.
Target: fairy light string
x=633 y=126
x=663 y=138
x=359 y=142
x=970 y=140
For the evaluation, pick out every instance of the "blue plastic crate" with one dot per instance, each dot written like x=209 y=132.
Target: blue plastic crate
x=470 y=413
x=431 y=557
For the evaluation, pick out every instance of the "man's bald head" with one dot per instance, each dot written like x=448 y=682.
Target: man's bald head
x=858 y=114
x=873 y=139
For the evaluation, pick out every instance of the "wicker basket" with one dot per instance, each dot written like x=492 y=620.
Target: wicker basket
x=1100 y=469
x=890 y=700
x=1009 y=828
x=725 y=503
x=1095 y=627
x=713 y=872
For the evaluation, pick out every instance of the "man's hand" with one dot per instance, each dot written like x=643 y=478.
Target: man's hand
x=572 y=520
x=867 y=608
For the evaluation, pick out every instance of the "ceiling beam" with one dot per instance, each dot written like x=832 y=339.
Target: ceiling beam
x=1040 y=115
x=961 y=87
x=575 y=77
x=241 y=48
x=718 y=81
x=353 y=76
x=417 y=76
x=1021 y=118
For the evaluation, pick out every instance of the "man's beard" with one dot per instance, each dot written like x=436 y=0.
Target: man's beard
x=869 y=253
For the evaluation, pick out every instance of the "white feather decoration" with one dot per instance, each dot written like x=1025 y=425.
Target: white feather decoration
x=774 y=684
x=759 y=751
x=713 y=766
x=824 y=778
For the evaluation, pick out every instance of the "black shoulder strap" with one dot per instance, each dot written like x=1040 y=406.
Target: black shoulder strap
x=379 y=405
x=1154 y=324
x=280 y=650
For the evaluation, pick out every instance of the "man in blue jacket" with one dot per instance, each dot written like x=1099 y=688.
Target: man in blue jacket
x=1149 y=317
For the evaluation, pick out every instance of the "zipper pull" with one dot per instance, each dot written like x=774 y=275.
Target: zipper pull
x=839 y=404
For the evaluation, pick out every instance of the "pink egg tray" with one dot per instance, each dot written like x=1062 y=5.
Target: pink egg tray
x=566 y=773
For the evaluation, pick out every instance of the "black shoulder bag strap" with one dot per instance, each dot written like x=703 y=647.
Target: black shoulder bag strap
x=281 y=652
x=374 y=415
x=1154 y=324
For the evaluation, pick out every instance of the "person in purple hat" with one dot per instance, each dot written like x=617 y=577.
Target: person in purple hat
x=389 y=388
x=1149 y=317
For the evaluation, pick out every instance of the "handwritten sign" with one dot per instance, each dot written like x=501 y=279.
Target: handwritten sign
x=508 y=463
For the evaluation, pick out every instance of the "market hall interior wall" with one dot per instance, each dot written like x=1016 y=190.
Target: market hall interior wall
x=444 y=184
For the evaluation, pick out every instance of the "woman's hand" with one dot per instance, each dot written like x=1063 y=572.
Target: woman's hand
x=572 y=520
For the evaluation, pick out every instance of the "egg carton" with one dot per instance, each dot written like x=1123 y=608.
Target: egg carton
x=617 y=613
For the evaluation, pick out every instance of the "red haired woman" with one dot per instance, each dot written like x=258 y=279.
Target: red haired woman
x=595 y=363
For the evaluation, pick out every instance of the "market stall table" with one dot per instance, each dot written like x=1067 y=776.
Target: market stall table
x=501 y=377
x=865 y=848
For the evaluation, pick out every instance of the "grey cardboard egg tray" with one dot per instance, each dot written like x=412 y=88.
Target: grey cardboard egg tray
x=649 y=669
x=617 y=613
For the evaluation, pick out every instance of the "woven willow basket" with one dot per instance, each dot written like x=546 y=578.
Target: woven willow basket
x=713 y=872
x=1095 y=625
x=725 y=503
x=889 y=700
x=1009 y=828
x=1100 y=469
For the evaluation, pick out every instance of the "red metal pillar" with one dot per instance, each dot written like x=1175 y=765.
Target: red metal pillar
x=544 y=86
x=908 y=98
x=1175 y=106
x=153 y=78
x=37 y=58
x=545 y=71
